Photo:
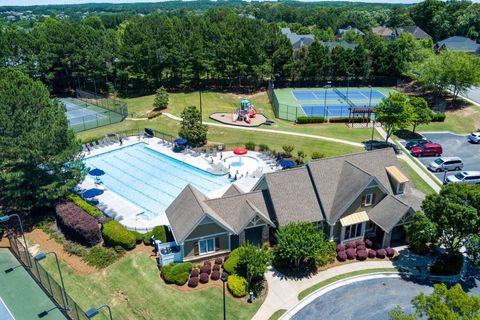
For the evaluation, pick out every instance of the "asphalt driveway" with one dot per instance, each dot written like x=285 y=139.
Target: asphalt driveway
x=454 y=145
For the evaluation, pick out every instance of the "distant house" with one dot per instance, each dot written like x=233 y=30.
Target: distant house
x=383 y=31
x=415 y=31
x=352 y=197
x=460 y=44
x=298 y=40
x=341 y=43
x=341 y=31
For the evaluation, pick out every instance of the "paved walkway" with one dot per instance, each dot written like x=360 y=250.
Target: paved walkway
x=283 y=292
x=305 y=135
x=412 y=163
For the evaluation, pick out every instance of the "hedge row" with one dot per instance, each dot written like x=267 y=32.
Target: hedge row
x=77 y=224
x=177 y=273
x=160 y=233
x=360 y=253
x=87 y=207
x=438 y=117
x=315 y=119
x=115 y=234
x=230 y=264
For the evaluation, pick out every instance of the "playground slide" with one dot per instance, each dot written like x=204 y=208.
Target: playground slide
x=253 y=113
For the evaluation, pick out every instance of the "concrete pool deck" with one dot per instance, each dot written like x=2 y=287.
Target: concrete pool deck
x=131 y=215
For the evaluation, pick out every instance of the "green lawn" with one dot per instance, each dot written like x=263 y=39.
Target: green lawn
x=277 y=314
x=417 y=181
x=465 y=120
x=134 y=290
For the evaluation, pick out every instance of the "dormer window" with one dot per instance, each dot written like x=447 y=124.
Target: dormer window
x=401 y=188
x=368 y=200
x=397 y=179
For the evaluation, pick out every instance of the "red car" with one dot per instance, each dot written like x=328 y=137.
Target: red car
x=427 y=149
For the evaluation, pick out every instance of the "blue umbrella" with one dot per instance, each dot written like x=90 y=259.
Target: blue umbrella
x=287 y=164
x=96 y=172
x=181 y=141
x=90 y=193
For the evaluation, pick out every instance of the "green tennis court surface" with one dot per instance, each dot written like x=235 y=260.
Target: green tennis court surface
x=23 y=298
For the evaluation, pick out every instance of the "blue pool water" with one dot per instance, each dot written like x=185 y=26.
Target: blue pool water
x=149 y=179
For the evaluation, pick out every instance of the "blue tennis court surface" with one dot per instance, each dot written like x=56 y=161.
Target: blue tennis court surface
x=328 y=94
x=339 y=110
x=78 y=111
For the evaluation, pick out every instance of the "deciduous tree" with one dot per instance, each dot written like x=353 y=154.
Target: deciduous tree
x=394 y=112
x=422 y=114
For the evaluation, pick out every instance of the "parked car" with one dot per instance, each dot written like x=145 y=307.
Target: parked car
x=427 y=149
x=412 y=143
x=474 y=137
x=470 y=177
x=446 y=164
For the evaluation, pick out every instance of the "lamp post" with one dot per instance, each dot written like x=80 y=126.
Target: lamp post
x=224 y=279
x=43 y=255
x=5 y=219
x=328 y=85
x=373 y=132
x=348 y=81
x=94 y=311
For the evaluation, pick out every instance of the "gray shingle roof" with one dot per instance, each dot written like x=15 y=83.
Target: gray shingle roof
x=233 y=190
x=293 y=196
x=457 y=43
x=341 y=43
x=388 y=212
x=415 y=31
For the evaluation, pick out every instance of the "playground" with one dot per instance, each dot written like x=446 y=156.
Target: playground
x=289 y=104
x=245 y=116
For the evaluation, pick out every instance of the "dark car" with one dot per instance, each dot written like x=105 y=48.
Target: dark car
x=412 y=143
x=427 y=149
x=374 y=145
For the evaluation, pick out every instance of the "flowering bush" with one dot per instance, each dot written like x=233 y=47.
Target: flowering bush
x=216 y=267
x=206 y=269
x=359 y=243
x=341 y=256
x=368 y=243
x=351 y=245
x=194 y=273
x=203 y=277
x=381 y=253
x=350 y=253
x=193 y=282
x=77 y=224
x=215 y=275
x=372 y=254
x=340 y=247
x=361 y=255
x=361 y=247
x=390 y=252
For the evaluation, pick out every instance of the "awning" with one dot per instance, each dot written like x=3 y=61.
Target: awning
x=396 y=174
x=354 y=218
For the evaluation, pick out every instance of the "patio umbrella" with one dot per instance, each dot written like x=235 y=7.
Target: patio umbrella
x=96 y=172
x=90 y=193
x=181 y=141
x=240 y=151
x=287 y=164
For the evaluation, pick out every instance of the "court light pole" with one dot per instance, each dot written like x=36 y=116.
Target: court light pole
x=40 y=257
x=201 y=111
x=348 y=82
x=6 y=218
x=92 y=312
x=328 y=85
x=370 y=100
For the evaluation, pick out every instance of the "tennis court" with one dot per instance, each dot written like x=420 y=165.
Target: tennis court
x=21 y=297
x=83 y=116
x=326 y=102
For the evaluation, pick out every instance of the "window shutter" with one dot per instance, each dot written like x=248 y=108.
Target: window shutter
x=217 y=244
x=196 y=251
x=363 y=200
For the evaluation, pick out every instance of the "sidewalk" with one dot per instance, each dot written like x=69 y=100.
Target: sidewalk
x=283 y=292
x=429 y=180
x=305 y=135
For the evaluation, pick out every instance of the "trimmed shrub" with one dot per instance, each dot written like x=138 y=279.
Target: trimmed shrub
x=361 y=247
x=314 y=119
x=250 y=145
x=193 y=282
x=368 y=243
x=263 y=147
x=350 y=245
x=372 y=254
x=340 y=247
x=138 y=236
x=207 y=263
x=341 y=256
x=216 y=267
x=115 y=234
x=390 y=252
x=237 y=285
x=204 y=277
x=87 y=207
x=381 y=253
x=438 y=117
x=359 y=243
x=219 y=261
x=362 y=255
x=317 y=155
x=350 y=253
x=194 y=273
x=77 y=224
x=215 y=275
x=230 y=264
x=206 y=269
x=176 y=272
x=160 y=233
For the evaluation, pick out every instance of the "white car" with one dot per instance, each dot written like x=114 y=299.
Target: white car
x=474 y=137
x=446 y=164
x=469 y=177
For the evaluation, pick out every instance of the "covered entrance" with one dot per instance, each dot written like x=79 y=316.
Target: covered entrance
x=254 y=235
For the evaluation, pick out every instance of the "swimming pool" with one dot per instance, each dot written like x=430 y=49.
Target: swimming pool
x=150 y=179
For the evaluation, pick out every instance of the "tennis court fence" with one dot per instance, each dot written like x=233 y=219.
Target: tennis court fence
x=102 y=102
x=46 y=281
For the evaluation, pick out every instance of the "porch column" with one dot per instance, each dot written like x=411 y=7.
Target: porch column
x=241 y=237
x=386 y=239
x=265 y=233
x=331 y=232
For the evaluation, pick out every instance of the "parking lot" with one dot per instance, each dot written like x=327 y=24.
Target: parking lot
x=454 y=145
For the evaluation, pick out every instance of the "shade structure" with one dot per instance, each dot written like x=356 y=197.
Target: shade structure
x=96 y=172
x=181 y=141
x=354 y=218
x=90 y=193
x=287 y=164
x=240 y=151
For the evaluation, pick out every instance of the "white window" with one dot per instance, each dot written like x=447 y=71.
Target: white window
x=353 y=231
x=368 y=199
x=206 y=246
x=401 y=188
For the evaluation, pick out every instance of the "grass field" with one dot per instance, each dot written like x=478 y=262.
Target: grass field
x=464 y=120
x=417 y=181
x=134 y=290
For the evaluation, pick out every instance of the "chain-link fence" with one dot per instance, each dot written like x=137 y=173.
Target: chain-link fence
x=46 y=281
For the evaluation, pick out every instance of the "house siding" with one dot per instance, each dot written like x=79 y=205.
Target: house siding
x=188 y=246
x=204 y=230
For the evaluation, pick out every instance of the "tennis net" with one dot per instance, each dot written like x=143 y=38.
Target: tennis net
x=344 y=97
